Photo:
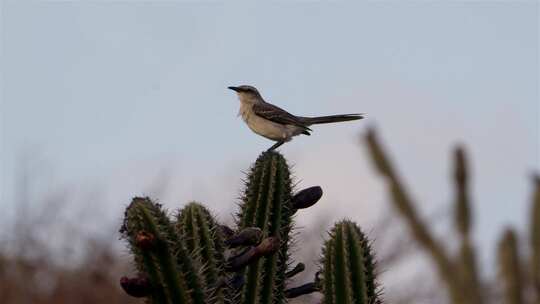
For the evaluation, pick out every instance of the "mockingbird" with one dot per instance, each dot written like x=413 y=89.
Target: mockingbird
x=275 y=123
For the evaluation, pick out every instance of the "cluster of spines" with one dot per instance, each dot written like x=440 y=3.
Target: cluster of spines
x=348 y=267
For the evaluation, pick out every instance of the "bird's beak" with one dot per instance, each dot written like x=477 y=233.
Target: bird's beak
x=236 y=89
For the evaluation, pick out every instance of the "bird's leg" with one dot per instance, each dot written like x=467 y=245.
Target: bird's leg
x=279 y=143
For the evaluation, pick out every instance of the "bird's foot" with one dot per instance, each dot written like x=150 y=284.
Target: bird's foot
x=275 y=146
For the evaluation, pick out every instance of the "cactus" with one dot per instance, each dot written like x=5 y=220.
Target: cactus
x=348 y=267
x=534 y=238
x=194 y=260
x=460 y=274
x=510 y=267
x=150 y=235
x=267 y=205
x=202 y=237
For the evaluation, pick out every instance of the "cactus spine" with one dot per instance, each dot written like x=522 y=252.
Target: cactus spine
x=267 y=205
x=348 y=267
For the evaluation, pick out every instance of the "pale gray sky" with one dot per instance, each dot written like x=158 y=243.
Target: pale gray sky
x=114 y=95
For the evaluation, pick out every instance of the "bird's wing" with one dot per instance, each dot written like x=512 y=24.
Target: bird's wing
x=278 y=115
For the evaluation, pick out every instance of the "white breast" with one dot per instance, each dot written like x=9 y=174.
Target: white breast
x=266 y=128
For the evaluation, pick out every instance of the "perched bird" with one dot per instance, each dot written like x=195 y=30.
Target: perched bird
x=275 y=123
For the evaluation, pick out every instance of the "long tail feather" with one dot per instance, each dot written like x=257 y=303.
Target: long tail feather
x=332 y=118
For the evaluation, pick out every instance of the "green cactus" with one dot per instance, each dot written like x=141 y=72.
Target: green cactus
x=150 y=235
x=348 y=267
x=267 y=205
x=194 y=260
x=202 y=237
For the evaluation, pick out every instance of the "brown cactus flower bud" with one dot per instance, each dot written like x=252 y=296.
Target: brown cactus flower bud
x=307 y=197
x=301 y=290
x=246 y=237
x=145 y=240
x=268 y=246
x=296 y=270
x=226 y=230
x=136 y=287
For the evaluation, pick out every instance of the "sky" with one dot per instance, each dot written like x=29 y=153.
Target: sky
x=115 y=99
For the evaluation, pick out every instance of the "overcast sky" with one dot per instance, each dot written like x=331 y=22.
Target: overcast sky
x=127 y=98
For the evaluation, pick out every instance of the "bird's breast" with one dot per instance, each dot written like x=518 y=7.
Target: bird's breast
x=262 y=126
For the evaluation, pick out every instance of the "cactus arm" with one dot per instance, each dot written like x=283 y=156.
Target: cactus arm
x=510 y=268
x=342 y=283
x=146 y=264
x=405 y=206
x=157 y=260
x=275 y=264
x=171 y=278
x=250 y=291
x=358 y=271
x=535 y=237
x=328 y=269
x=266 y=205
x=348 y=267
x=463 y=222
x=202 y=240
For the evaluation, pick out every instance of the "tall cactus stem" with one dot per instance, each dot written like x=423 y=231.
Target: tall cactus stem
x=404 y=204
x=511 y=268
x=462 y=217
x=202 y=238
x=267 y=205
x=168 y=285
x=348 y=274
x=535 y=237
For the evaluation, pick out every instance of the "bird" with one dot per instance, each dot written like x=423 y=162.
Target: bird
x=273 y=122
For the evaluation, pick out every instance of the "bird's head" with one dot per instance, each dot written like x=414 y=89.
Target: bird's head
x=247 y=93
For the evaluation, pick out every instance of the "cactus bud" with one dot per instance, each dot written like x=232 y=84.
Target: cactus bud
x=136 y=287
x=301 y=290
x=226 y=231
x=307 y=197
x=246 y=237
x=268 y=246
x=296 y=270
x=145 y=240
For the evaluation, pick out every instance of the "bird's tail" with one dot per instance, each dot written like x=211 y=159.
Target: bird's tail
x=332 y=118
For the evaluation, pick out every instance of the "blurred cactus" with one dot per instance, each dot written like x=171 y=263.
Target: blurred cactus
x=535 y=239
x=195 y=260
x=510 y=268
x=460 y=274
x=348 y=267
